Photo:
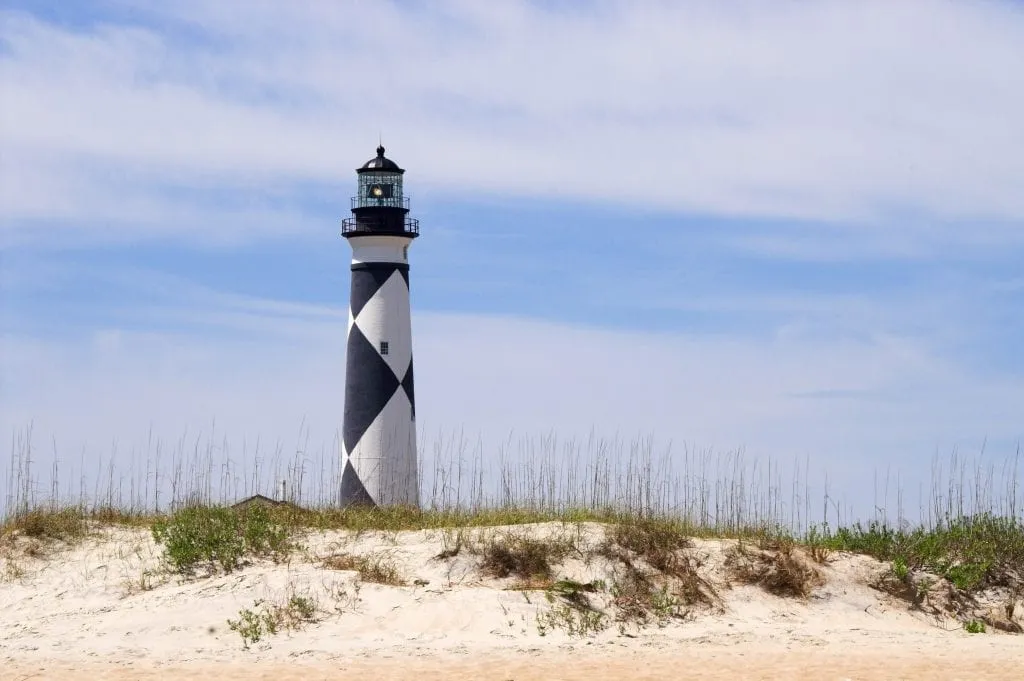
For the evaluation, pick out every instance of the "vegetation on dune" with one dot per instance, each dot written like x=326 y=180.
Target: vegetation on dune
x=218 y=537
x=269 y=618
x=973 y=552
x=376 y=569
x=779 y=566
x=530 y=559
x=971 y=539
x=657 y=576
x=61 y=524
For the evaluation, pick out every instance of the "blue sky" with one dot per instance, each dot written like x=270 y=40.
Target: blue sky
x=791 y=228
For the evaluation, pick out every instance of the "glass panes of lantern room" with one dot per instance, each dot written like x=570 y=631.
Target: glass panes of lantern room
x=380 y=189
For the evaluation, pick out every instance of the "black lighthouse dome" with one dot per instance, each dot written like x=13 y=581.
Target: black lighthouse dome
x=380 y=207
x=380 y=163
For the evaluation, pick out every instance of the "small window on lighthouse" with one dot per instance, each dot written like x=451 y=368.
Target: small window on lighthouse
x=383 y=347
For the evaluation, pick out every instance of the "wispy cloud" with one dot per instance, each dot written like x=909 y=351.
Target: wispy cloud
x=842 y=112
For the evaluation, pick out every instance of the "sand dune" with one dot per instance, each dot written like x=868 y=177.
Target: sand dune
x=103 y=609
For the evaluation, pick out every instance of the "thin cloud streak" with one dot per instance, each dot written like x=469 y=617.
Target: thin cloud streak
x=830 y=111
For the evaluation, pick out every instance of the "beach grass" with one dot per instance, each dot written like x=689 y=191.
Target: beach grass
x=970 y=531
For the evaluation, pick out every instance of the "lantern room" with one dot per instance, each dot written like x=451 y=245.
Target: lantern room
x=379 y=206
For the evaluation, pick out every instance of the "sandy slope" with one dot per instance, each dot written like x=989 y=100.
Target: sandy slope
x=82 y=613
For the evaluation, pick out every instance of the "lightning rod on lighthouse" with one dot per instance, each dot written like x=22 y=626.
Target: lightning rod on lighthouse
x=379 y=463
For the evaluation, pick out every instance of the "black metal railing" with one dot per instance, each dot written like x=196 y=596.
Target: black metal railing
x=378 y=226
x=382 y=202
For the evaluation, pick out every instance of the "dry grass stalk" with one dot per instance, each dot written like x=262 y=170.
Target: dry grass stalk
x=781 y=569
x=378 y=569
x=658 y=576
x=521 y=556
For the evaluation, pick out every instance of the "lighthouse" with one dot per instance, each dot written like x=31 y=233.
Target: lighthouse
x=379 y=466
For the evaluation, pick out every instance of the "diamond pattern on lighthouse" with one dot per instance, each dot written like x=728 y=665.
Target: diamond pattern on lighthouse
x=379 y=425
x=393 y=293
x=387 y=453
x=369 y=386
x=352 y=488
x=409 y=393
x=367 y=280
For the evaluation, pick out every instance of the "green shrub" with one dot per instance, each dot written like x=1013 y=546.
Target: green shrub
x=974 y=627
x=972 y=552
x=252 y=625
x=575 y=621
x=218 y=537
x=900 y=569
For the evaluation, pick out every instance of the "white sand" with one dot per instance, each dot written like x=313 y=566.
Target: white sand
x=79 y=613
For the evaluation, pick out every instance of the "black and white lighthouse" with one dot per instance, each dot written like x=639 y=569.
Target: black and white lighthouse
x=379 y=463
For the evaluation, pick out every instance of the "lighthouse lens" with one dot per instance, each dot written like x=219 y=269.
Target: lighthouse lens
x=377 y=193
